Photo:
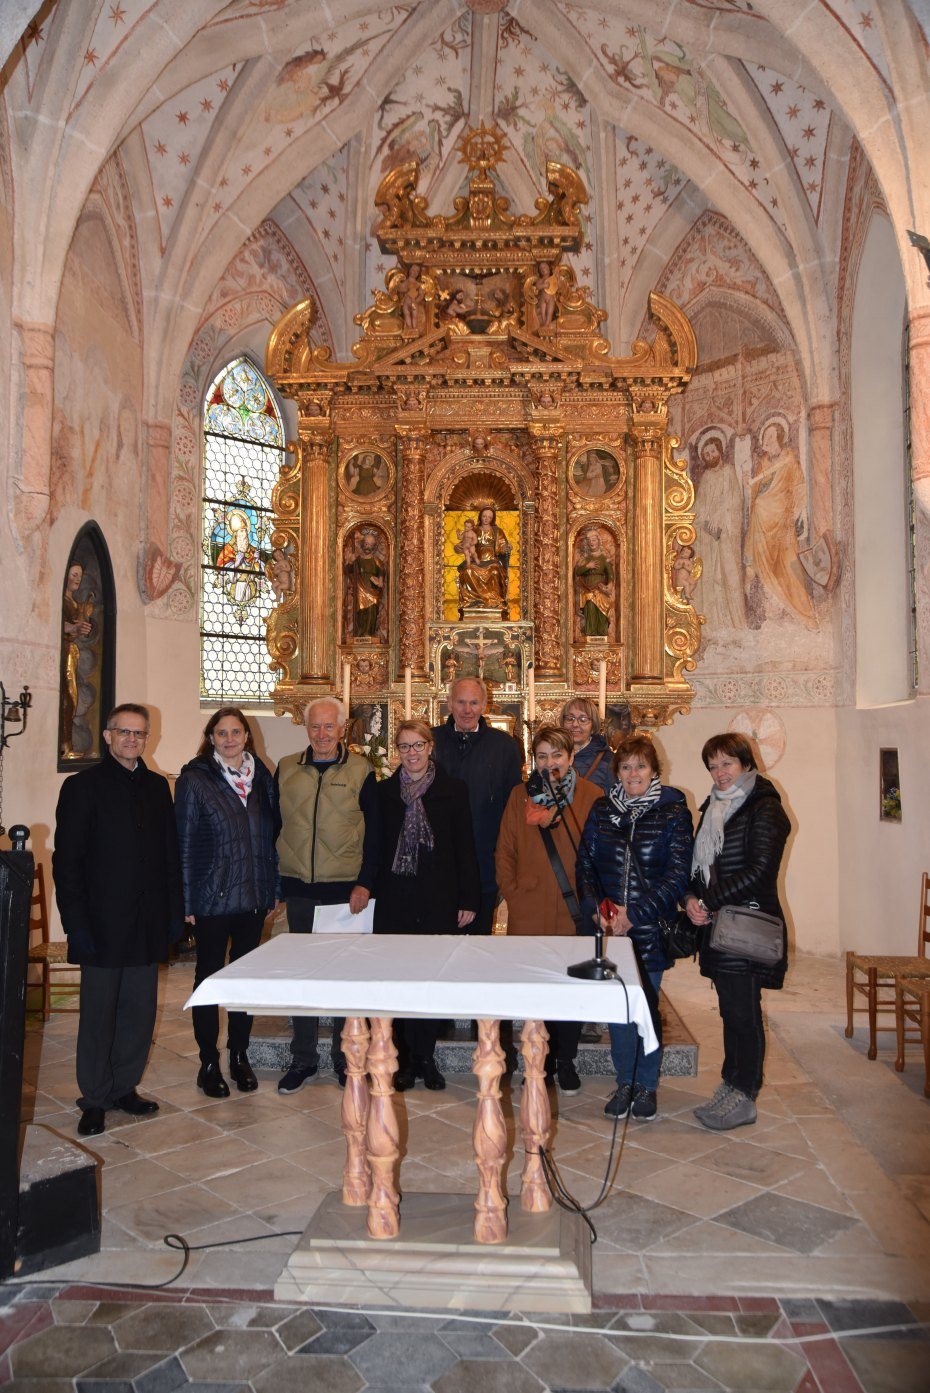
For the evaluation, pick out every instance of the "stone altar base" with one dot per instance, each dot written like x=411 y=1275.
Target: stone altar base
x=435 y=1263
x=59 y=1208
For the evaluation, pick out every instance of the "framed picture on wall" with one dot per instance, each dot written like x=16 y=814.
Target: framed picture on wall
x=889 y=786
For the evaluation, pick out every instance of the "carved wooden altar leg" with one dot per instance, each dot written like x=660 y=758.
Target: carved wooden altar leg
x=490 y=1136
x=383 y=1136
x=535 y=1117
x=356 y=1177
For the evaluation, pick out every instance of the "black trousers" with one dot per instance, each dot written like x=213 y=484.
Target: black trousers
x=304 y=1052
x=214 y=934
x=564 y=1037
x=415 y=1039
x=114 y=1031
x=740 y=999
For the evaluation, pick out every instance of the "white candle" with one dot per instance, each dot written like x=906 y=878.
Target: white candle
x=531 y=694
x=346 y=684
x=408 y=693
x=602 y=688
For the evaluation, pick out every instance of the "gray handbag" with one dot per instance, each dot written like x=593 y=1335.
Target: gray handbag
x=745 y=931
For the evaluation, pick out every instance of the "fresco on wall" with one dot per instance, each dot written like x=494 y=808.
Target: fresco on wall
x=95 y=463
x=761 y=574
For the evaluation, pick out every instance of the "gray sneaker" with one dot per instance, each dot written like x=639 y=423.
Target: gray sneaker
x=737 y=1110
x=721 y=1094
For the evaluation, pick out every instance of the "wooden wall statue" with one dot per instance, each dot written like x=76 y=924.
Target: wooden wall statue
x=484 y=487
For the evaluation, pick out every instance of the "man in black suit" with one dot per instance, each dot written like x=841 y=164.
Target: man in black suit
x=118 y=887
x=490 y=763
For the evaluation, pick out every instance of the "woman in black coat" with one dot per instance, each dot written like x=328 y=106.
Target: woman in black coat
x=636 y=852
x=420 y=864
x=737 y=854
x=228 y=820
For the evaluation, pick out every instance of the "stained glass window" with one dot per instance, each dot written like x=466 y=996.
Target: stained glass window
x=243 y=450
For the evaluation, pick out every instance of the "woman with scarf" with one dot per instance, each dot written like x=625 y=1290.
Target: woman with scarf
x=737 y=854
x=226 y=807
x=636 y=852
x=593 y=756
x=420 y=865
x=539 y=834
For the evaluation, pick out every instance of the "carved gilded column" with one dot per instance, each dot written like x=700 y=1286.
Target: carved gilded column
x=820 y=418
x=547 y=555
x=411 y=591
x=31 y=480
x=648 y=429
x=317 y=605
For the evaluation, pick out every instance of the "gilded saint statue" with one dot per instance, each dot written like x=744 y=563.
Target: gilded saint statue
x=366 y=576
x=594 y=584
x=76 y=615
x=482 y=574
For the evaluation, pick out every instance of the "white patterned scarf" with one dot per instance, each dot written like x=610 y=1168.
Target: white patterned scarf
x=241 y=778
x=632 y=808
x=709 y=840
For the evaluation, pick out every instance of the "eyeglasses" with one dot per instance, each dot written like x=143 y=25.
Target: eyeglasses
x=576 y=720
x=128 y=734
x=417 y=745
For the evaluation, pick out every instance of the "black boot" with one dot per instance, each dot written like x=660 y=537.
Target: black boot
x=429 y=1072
x=240 y=1071
x=211 y=1082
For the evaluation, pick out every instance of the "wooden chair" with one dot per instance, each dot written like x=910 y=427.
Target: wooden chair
x=47 y=956
x=874 y=977
x=912 y=1003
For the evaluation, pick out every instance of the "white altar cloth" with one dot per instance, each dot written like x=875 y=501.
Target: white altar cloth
x=420 y=975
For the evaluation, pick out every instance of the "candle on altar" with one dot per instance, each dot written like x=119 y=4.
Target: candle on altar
x=531 y=694
x=346 y=684
x=408 y=693
x=602 y=688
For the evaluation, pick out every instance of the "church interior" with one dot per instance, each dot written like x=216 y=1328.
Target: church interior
x=580 y=347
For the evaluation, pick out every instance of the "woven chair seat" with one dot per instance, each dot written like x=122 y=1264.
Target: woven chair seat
x=915 y=986
x=56 y=952
x=892 y=965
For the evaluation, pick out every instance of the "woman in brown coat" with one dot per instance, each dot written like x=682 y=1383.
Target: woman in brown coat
x=527 y=876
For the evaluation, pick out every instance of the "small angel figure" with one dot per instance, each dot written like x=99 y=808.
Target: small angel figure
x=546 y=286
x=468 y=541
x=280 y=573
x=686 y=572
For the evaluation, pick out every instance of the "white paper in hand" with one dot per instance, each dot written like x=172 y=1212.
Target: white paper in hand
x=339 y=919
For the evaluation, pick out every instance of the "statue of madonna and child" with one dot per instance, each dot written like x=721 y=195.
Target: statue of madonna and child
x=482 y=573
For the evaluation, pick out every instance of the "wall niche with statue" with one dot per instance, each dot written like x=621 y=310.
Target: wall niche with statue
x=88 y=642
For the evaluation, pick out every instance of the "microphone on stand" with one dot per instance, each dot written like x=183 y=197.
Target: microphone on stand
x=599 y=968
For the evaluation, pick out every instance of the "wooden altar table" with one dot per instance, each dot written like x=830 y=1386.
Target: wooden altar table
x=372 y=979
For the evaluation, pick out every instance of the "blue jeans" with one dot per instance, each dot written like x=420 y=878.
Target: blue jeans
x=626 y=1051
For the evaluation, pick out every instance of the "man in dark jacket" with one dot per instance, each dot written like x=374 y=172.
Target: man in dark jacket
x=489 y=762
x=118 y=887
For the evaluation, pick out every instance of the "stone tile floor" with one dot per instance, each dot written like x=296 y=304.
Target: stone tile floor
x=716 y=1255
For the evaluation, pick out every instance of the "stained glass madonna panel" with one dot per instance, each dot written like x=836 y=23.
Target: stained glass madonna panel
x=243 y=451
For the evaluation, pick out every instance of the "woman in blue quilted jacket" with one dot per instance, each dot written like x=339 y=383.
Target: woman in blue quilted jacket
x=226 y=807
x=636 y=852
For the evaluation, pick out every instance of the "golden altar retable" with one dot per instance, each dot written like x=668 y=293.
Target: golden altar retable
x=484 y=488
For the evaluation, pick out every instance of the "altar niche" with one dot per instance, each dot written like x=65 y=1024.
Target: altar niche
x=484 y=490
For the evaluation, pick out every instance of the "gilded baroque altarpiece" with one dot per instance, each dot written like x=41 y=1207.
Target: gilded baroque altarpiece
x=485 y=490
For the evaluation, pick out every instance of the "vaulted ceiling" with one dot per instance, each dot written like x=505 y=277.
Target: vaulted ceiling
x=224 y=114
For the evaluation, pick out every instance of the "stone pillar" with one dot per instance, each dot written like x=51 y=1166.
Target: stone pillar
x=31 y=480
x=919 y=390
x=820 y=418
x=315 y=453
x=648 y=649
x=547 y=555
x=411 y=588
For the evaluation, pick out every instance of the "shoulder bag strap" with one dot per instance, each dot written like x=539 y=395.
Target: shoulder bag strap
x=558 y=870
x=587 y=777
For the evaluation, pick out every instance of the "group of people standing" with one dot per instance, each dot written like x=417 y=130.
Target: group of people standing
x=591 y=834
